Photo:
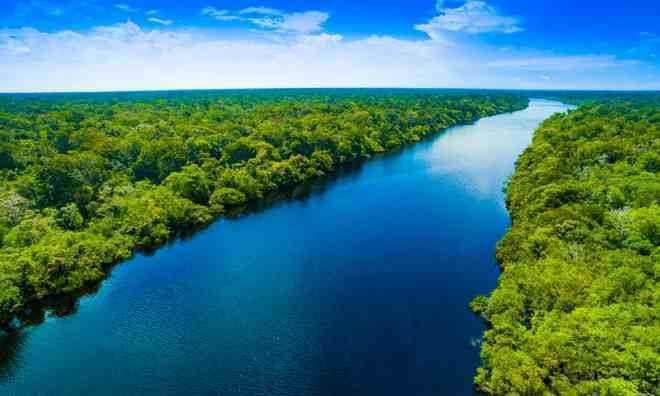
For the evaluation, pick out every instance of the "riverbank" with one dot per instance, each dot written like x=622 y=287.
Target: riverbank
x=574 y=311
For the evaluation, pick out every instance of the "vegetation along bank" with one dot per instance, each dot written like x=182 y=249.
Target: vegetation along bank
x=577 y=308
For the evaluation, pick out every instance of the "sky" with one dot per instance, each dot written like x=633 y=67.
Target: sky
x=96 y=45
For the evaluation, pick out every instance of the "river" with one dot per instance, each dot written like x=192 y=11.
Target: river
x=359 y=288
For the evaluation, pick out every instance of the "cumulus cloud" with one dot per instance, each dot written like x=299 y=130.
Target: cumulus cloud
x=129 y=57
x=472 y=17
x=137 y=58
x=12 y=46
x=303 y=22
x=160 y=21
x=269 y=18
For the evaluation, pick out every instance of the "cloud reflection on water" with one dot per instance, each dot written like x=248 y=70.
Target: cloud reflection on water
x=482 y=155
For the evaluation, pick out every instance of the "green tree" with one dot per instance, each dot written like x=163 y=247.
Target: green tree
x=227 y=196
x=69 y=217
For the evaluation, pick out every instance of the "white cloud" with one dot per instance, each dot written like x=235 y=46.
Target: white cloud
x=125 y=7
x=303 y=22
x=13 y=46
x=152 y=12
x=213 y=12
x=221 y=15
x=540 y=62
x=268 y=18
x=128 y=57
x=472 y=17
x=160 y=21
x=260 y=11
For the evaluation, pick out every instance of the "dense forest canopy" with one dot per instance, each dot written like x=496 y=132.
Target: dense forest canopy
x=85 y=179
x=577 y=308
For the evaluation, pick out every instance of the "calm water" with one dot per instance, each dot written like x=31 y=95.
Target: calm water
x=360 y=289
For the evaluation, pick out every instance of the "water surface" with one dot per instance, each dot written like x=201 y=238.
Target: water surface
x=360 y=289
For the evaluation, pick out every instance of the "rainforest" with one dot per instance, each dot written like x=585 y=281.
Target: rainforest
x=322 y=198
x=87 y=180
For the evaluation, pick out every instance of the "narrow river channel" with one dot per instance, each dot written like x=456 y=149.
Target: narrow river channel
x=360 y=288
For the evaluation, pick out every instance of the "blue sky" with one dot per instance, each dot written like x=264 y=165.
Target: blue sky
x=49 y=45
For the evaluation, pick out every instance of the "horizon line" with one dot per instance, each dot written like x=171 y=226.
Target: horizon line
x=605 y=90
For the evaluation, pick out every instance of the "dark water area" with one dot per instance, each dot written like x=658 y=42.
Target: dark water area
x=361 y=288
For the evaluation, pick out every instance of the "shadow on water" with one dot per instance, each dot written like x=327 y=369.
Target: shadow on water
x=11 y=344
x=12 y=340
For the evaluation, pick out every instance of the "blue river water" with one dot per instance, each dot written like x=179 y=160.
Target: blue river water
x=360 y=287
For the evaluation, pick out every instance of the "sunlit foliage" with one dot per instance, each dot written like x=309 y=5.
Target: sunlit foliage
x=577 y=308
